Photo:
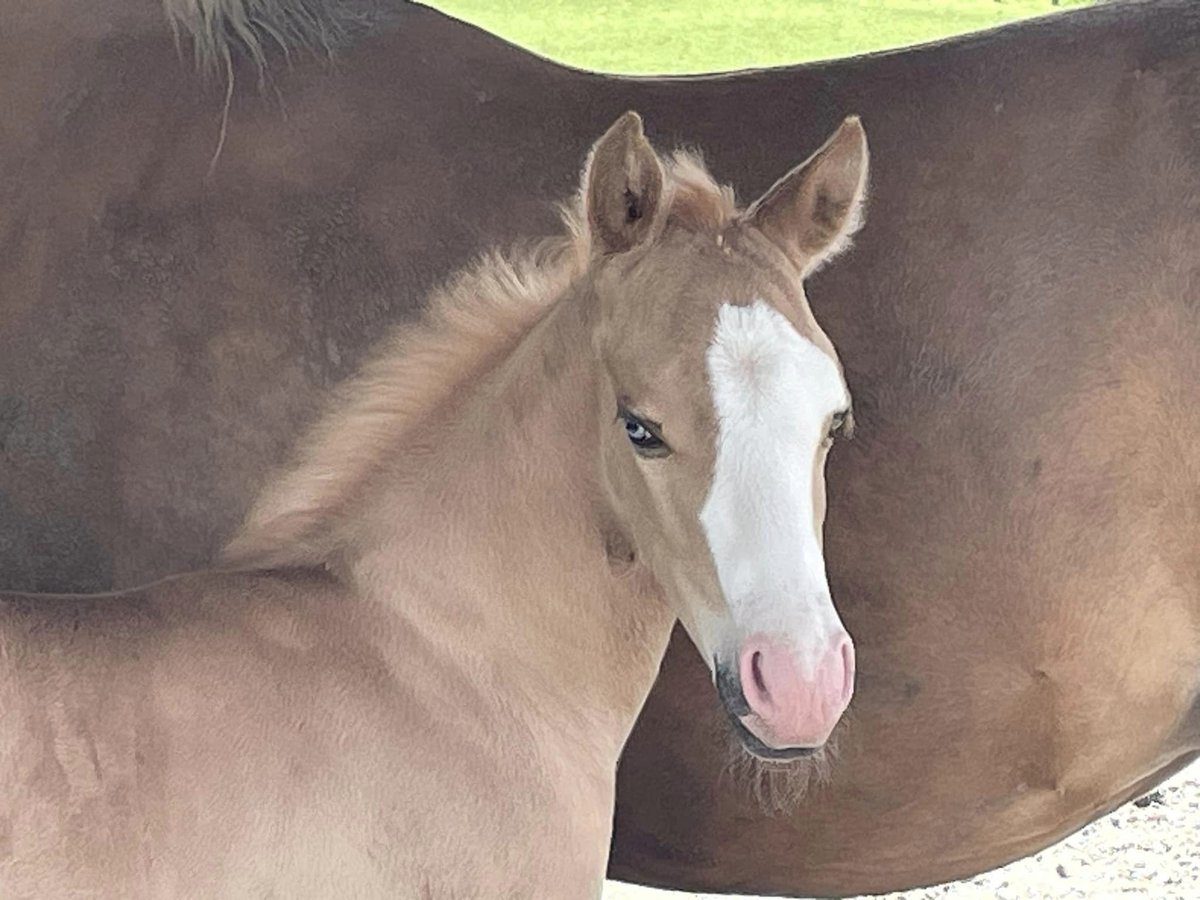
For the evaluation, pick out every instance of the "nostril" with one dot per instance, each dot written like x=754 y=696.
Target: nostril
x=760 y=682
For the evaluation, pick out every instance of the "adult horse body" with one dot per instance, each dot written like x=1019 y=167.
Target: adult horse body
x=1011 y=535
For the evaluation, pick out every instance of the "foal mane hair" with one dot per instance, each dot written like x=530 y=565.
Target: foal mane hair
x=220 y=30
x=466 y=327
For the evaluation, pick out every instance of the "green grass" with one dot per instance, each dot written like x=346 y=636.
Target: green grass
x=680 y=36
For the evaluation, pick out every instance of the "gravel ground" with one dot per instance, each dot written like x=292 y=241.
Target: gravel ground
x=1149 y=849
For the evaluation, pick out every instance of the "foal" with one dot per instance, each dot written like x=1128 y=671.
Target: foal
x=438 y=626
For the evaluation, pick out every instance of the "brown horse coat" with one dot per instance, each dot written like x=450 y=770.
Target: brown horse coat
x=1011 y=536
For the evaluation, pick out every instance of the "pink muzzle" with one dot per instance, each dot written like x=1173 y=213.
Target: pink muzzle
x=787 y=709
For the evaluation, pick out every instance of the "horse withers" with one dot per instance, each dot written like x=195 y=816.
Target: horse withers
x=434 y=631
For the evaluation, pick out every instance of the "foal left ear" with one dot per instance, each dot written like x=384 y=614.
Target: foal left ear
x=624 y=187
x=812 y=212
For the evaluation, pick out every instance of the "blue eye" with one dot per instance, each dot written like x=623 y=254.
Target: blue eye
x=642 y=435
x=639 y=433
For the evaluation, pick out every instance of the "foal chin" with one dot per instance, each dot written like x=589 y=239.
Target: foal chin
x=779 y=786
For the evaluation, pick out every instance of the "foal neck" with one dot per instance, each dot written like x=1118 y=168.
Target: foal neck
x=488 y=530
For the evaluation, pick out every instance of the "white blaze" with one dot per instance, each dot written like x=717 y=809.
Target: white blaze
x=774 y=392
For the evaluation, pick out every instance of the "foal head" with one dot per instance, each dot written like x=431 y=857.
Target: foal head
x=720 y=397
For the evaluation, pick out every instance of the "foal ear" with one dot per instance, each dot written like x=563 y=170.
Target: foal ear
x=624 y=187
x=812 y=211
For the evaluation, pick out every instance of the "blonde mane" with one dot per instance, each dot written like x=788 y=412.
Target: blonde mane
x=467 y=325
x=220 y=29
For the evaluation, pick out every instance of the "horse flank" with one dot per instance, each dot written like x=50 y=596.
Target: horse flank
x=467 y=325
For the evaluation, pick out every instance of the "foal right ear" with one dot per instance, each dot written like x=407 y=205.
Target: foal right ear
x=812 y=212
x=624 y=185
